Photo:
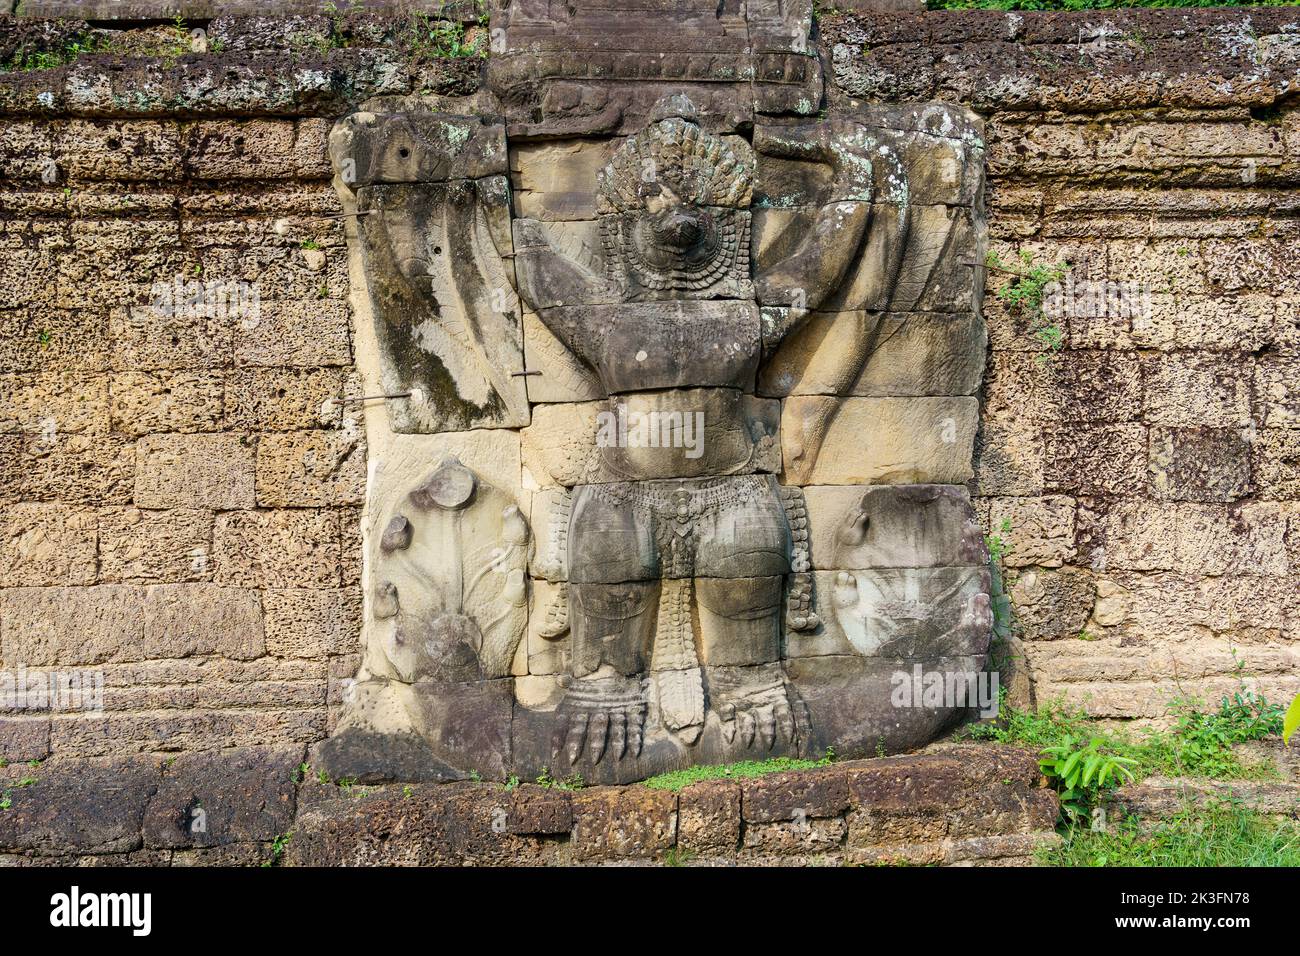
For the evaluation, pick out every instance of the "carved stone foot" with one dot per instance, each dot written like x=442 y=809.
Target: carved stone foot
x=606 y=715
x=757 y=703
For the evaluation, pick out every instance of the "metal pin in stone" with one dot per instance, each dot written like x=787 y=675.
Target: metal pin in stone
x=371 y=398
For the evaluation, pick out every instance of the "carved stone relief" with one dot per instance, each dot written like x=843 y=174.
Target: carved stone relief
x=734 y=352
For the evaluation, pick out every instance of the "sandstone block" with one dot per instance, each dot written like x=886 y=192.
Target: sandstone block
x=903 y=526
x=1041 y=529
x=283 y=399
x=1096 y=459
x=880 y=441
x=1200 y=464
x=277 y=549
x=187 y=471
x=289 y=333
x=311 y=623
x=154 y=547
x=1196 y=389
x=216 y=799
x=145 y=402
x=46 y=544
x=71 y=625
x=186 y=620
x=311 y=469
x=910 y=354
x=617 y=822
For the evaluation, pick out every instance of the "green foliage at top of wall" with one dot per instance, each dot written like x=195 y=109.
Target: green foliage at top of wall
x=1095 y=4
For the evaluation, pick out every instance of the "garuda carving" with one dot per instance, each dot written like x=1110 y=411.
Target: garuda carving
x=746 y=411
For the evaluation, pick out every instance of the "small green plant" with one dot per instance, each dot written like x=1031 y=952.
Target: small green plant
x=310 y=244
x=475 y=776
x=5 y=800
x=1024 y=296
x=26 y=782
x=676 y=856
x=408 y=791
x=571 y=782
x=443 y=39
x=300 y=772
x=1082 y=773
x=512 y=784
x=277 y=848
x=323 y=777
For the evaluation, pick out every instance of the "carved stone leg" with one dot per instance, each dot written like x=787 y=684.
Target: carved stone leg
x=612 y=627
x=740 y=620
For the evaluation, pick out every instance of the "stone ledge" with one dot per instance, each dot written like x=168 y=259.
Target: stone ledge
x=1158 y=798
x=993 y=60
x=966 y=804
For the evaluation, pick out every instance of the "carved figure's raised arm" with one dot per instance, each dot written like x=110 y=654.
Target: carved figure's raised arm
x=433 y=218
x=865 y=221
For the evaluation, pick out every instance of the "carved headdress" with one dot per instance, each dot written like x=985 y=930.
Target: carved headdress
x=700 y=168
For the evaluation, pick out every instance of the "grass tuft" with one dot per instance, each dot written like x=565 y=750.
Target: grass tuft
x=680 y=779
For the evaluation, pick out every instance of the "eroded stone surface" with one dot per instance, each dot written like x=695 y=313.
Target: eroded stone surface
x=698 y=300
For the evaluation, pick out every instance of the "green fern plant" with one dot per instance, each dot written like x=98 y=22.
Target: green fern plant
x=1081 y=775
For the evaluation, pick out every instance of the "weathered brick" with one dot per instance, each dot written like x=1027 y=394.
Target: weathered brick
x=46 y=545
x=311 y=469
x=154 y=547
x=85 y=469
x=275 y=399
x=241 y=149
x=1277 y=385
x=277 y=549
x=184 y=620
x=1041 y=529
x=146 y=337
x=618 y=822
x=24 y=738
x=71 y=625
x=311 y=622
x=231 y=796
x=145 y=402
x=48 y=404
x=119 y=151
x=310 y=333
x=793 y=796
x=709 y=818
x=1200 y=464
x=1096 y=459
x=195 y=471
x=1196 y=389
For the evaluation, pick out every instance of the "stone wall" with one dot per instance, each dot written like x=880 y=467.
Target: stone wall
x=179 y=499
x=972 y=805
